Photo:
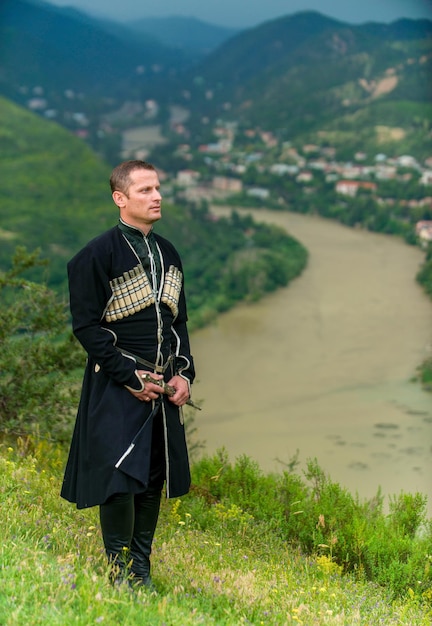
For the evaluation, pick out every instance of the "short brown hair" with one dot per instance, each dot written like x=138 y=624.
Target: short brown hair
x=120 y=176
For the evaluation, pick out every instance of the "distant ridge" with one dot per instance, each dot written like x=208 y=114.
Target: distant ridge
x=64 y=48
x=186 y=33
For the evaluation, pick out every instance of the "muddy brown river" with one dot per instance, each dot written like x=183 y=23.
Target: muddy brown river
x=324 y=366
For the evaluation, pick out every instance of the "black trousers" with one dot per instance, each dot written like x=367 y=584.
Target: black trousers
x=128 y=521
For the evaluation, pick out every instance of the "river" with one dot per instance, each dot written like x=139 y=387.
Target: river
x=323 y=366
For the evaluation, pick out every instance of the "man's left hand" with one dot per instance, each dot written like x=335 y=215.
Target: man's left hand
x=181 y=386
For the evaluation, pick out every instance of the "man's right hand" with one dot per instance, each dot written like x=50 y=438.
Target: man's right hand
x=150 y=391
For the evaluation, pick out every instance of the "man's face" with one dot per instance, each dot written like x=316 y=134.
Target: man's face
x=141 y=206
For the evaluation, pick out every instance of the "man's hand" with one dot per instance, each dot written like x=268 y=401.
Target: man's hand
x=181 y=395
x=150 y=391
x=177 y=389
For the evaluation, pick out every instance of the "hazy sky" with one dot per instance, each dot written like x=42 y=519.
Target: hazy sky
x=246 y=13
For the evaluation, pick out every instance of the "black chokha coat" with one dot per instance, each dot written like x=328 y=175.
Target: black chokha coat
x=118 y=303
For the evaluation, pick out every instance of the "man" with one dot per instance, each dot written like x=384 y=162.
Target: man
x=129 y=312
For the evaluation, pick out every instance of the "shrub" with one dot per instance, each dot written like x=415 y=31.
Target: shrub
x=322 y=519
x=37 y=356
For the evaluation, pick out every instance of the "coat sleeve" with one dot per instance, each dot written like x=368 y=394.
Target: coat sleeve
x=184 y=363
x=90 y=293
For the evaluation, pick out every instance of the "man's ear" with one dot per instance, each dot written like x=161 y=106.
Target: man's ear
x=118 y=198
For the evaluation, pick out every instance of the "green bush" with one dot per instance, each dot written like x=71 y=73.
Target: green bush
x=322 y=519
x=38 y=357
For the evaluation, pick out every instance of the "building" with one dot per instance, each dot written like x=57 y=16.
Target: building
x=224 y=183
x=187 y=178
x=258 y=192
x=426 y=177
x=424 y=231
x=350 y=187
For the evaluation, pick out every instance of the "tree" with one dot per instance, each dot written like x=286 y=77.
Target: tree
x=38 y=356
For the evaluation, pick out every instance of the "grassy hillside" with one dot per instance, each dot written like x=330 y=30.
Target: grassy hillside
x=53 y=191
x=215 y=562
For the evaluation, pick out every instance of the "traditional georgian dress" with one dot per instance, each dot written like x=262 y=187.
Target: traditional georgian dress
x=129 y=312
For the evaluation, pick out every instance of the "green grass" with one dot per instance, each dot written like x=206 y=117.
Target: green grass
x=230 y=570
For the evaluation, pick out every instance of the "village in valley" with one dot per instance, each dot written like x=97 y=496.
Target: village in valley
x=218 y=170
x=310 y=167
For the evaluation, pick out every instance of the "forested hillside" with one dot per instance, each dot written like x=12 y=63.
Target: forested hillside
x=54 y=195
x=62 y=48
x=309 y=77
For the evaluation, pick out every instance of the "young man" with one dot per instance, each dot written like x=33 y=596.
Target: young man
x=129 y=312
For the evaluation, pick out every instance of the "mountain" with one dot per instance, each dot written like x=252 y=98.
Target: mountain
x=301 y=73
x=301 y=77
x=65 y=49
x=184 y=33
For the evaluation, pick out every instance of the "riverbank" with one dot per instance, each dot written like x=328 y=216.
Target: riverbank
x=324 y=366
